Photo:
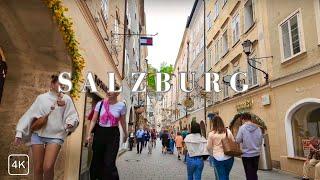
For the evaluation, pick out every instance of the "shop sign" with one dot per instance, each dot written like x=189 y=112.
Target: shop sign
x=247 y=104
x=306 y=147
x=265 y=99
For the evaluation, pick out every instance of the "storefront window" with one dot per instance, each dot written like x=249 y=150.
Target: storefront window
x=305 y=124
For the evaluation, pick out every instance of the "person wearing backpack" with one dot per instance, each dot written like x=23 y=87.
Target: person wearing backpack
x=250 y=136
x=222 y=163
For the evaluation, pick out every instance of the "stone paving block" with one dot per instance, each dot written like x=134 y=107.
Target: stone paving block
x=158 y=166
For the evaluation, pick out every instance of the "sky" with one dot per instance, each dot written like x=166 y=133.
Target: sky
x=168 y=18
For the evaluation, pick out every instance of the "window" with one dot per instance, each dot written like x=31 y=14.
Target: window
x=252 y=74
x=128 y=17
x=238 y=79
x=248 y=15
x=209 y=21
x=216 y=51
x=224 y=2
x=235 y=25
x=116 y=30
x=105 y=9
x=225 y=89
x=305 y=123
x=126 y=64
x=290 y=36
x=209 y=58
x=216 y=10
x=215 y=96
x=202 y=67
x=224 y=42
x=317 y=16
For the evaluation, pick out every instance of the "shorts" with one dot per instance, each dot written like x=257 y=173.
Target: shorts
x=35 y=139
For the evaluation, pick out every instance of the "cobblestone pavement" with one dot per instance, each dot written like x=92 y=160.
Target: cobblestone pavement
x=157 y=166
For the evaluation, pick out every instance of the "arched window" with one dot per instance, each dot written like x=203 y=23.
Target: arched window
x=305 y=123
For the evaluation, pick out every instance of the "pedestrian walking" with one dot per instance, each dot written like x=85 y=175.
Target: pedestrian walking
x=184 y=133
x=46 y=124
x=154 y=138
x=139 y=137
x=178 y=141
x=313 y=159
x=3 y=71
x=150 y=148
x=131 y=140
x=105 y=126
x=146 y=137
x=171 y=143
x=160 y=134
x=221 y=162
x=250 y=137
x=197 y=152
x=165 y=141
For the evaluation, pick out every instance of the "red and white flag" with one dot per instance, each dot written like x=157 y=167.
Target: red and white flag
x=146 y=41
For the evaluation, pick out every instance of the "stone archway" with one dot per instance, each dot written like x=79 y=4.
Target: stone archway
x=288 y=121
x=236 y=123
x=34 y=50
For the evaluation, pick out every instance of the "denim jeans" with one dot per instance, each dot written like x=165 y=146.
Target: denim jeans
x=222 y=168
x=194 y=167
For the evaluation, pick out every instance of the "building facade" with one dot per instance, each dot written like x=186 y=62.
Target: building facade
x=135 y=54
x=285 y=45
x=276 y=29
x=34 y=47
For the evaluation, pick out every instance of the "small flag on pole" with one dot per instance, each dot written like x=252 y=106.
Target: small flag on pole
x=146 y=41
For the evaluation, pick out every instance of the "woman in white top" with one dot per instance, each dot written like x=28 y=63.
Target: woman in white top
x=222 y=163
x=108 y=112
x=197 y=152
x=46 y=141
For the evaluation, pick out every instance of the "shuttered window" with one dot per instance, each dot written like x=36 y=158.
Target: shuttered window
x=290 y=34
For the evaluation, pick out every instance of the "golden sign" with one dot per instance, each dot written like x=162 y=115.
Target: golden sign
x=247 y=104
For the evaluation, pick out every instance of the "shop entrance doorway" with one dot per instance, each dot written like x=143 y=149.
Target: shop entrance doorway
x=265 y=162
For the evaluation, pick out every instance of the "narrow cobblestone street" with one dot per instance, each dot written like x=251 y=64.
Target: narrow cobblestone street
x=157 y=166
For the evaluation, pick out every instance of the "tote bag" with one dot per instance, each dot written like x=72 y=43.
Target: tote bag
x=230 y=148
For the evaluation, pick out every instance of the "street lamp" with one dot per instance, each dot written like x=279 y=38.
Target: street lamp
x=247 y=46
x=247 y=49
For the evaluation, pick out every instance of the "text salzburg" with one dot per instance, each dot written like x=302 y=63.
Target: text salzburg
x=162 y=82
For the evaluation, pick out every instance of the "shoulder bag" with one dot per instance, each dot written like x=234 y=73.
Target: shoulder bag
x=230 y=147
x=98 y=119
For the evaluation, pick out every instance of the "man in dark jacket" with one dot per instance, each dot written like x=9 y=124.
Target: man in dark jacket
x=250 y=137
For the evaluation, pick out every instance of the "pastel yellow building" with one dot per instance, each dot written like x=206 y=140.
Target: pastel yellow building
x=34 y=49
x=285 y=44
x=288 y=103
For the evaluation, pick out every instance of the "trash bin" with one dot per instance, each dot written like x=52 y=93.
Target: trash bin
x=265 y=156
